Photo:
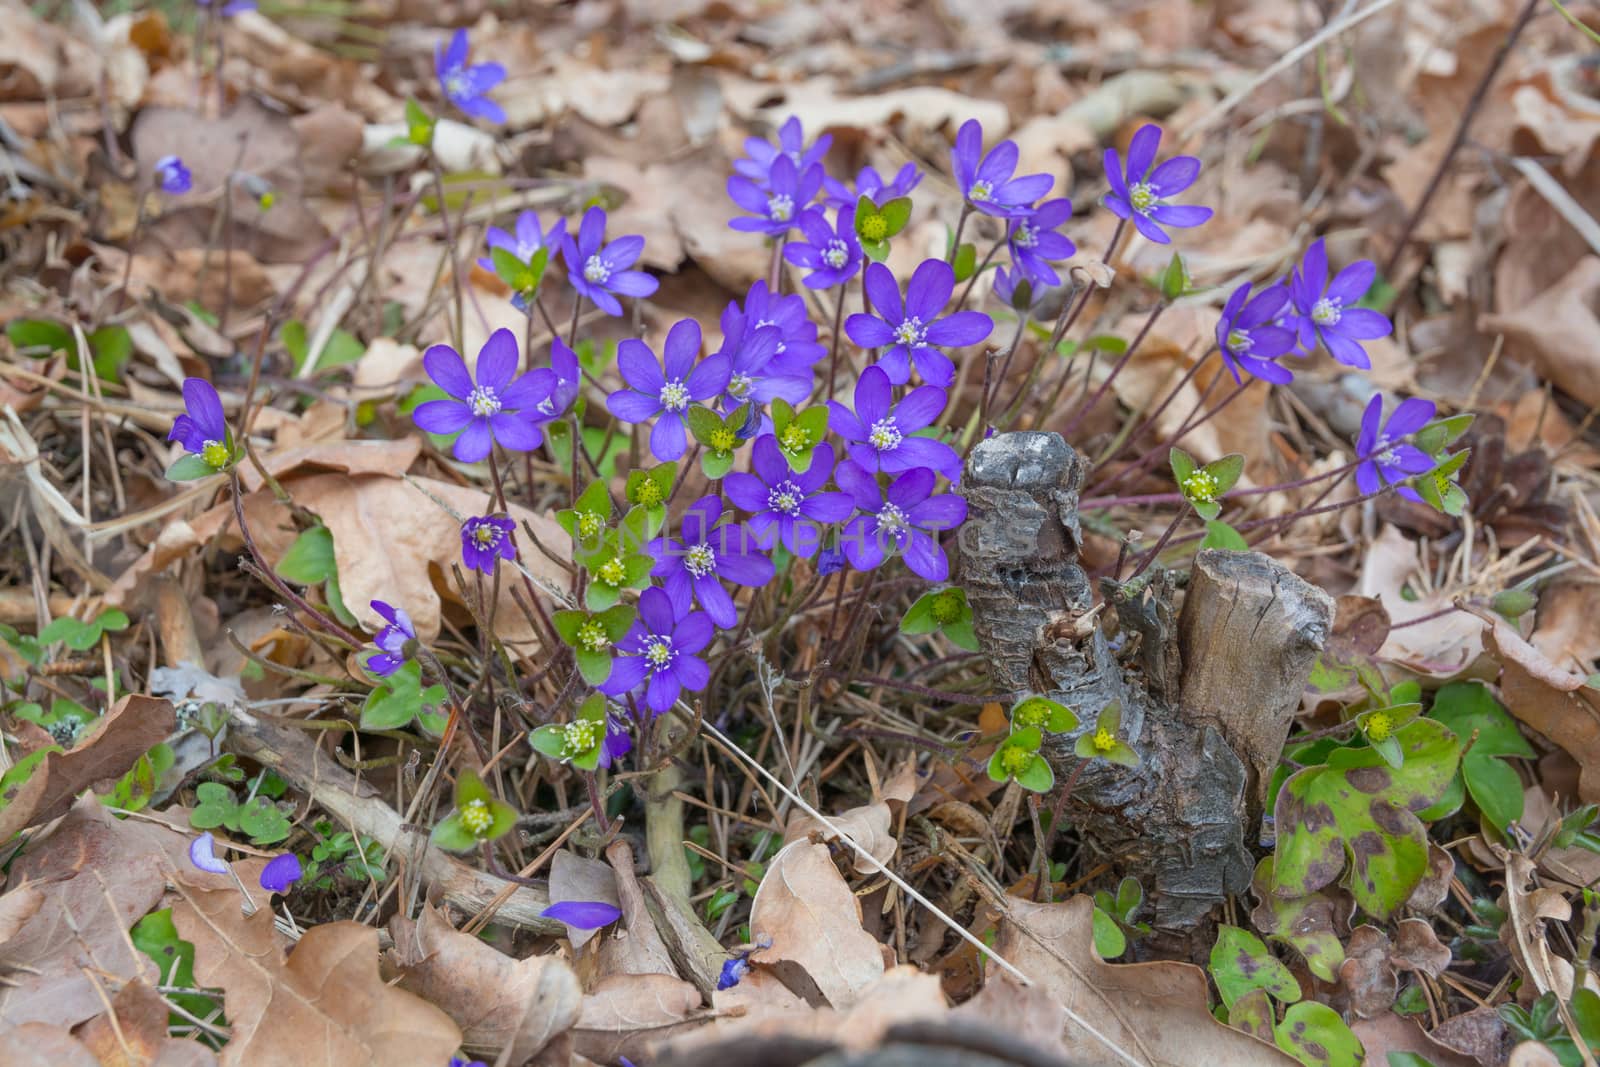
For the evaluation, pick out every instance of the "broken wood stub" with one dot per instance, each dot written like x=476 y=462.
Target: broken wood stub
x=1203 y=694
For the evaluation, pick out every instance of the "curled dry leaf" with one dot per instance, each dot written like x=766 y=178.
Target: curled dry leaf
x=1156 y=1012
x=1367 y=973
x=1524 y=934
x=627 y=1013
x=638 y=947
x=1417 y=948
x=98 y=875
x=1478 y=1034
x=1441 y=647
x=813 y=920
x=499 y=1002
x=1558 y=331
x=573 y=878
x=1435 y=885
x=327 y=995
x=1566 y=633
x=138 y=1038
x=130 y=729
x=1549 y=699
x=867 y=825
x=1389 y=1033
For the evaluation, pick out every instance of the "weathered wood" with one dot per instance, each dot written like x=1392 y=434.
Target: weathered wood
x=1179 y=822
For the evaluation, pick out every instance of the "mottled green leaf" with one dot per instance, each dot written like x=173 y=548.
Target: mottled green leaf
x=1314 y=1034
x=1241 y=962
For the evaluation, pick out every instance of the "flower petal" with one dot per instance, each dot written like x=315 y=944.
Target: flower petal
x=448 y=370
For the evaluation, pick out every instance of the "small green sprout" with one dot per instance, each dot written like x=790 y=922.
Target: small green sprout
x=578 y=742
x=590 y=514
x=1204 y=487
x=1018 y=760
x=478 y=817
x=1041 y=713
x=798 y=433
x=649 y=489
x=591 y=635
x=718 y=435
x=875 y=225
x=1103 y=743
x=943 y=610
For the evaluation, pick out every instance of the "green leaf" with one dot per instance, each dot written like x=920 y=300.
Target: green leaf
x=716 y=464
x=111 y=619
x=11 y=782
x=264 y=822
x=72 y=631
x=1357 y=810
x=1174 y=279
x=1130 y=895
x=1037 y=776
x=310 y=559
x=44 y=334
x=1182 y=465
x=918 y=618
x=111 y=347
x=1253 y=1014
x=962 y=635
x=157 y=937
x=1586 y=1013
x=1220 y=535
x=1226 y=471
x=1495 y=788
x=419 y=125
x=966 y=261
x=896 y=213
x=549 y=740
x=452 y=836
x=1469 y=708
x=594 y=666
x=396 y=701
x=1240 y=962
x=188 y=468
x=1109 y=940
x=1314 y=1034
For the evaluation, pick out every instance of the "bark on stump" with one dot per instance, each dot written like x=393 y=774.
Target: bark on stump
x=1207 y=696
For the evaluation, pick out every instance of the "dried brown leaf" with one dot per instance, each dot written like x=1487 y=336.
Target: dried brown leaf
x=1367 y=973
x=628 y=1012
x=1553 y=701
x=139 y=1038
x=497 y=1001
x=807 y=910
x=130 y=729
x=574 y=878
x=327 y=996
x=867 y=825
x=1389 y=1032
x=1155 y=1011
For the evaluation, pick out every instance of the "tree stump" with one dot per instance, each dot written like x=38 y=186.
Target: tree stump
x=1207 y=694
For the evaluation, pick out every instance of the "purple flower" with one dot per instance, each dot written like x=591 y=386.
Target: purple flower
x=203 y=854
x=666 y=389
x=833 y=256
x=172 y=176
x=527 y=240
x=1006 y=290
x=391 y=640
x=1323 y=312
x=693 y=568
x=778 y=204
x=734 y=968
x=280 y=873
x=1141 y=195
x=915 y=327
x=1035 y=244
x=830 y=561
x=618 y=741
x=565 y=377
x=202 y=428
x=659 y=651
x=457 y=1061
x=900 y=522
x=880 y=430
x=599 y=272
x=870 y=185
x=1248 y=335
x=1384 y=461
x=798 y=349
x=485 y=539
x=232 y=7
x=774 y=494
x=467 y=86
x=985 y=180
x=494 y=408
x=583 y=914
x=790 y=146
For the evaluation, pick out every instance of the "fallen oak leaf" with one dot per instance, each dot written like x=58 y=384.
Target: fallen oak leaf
x=625 y=1013
x=499 y=1002
x=134 y=1033
x=812 y=919
x=131 y=728
x=327 y=995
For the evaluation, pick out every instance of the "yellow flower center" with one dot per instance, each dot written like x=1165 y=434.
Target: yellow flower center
x=590 y=523
x=486 y=536
x=649 y=493
x=1015 y=760
x=796 y=438
x=947 y=609
x=1104 y=740
x=592 y=636
x=579 y=736
x=723 y=440
x=874 y=227
x=1379 y=726
x=613 y=571
x=1142 y=197
x=215 y=453
x=1201 y=486
x=476 y=817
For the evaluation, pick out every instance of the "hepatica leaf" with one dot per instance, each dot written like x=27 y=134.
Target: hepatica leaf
x=1241 y=962
x=1314 y=1034
x=1358 y=811
x=1468 y=707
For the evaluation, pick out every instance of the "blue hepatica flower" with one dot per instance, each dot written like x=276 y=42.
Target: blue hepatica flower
x=467 y=85
x=901 y=521
x=751 y=351
x=777 y=205
x=831 y=254
x=777 y=497
x=1013 y=289
x=526 y=239
x=603 y=273
x=880 y=429
x=694 y=567
x=203 y=854
x=913 y=329
x=231 y=8
x=565 y=377
x=1386 y=460
x=666 y=389
x=172 y=176
x=1323 y=310
x=494 y=408
x=791 y=146
x=486 y=539
x=1140 y=194
x=391 y=640
x=985 y=180
x=872 y=186
x=1035 y=244
x=583 y=914
x=280 y=873
x=1249 y=337
x=203 y=427
x=660 y=652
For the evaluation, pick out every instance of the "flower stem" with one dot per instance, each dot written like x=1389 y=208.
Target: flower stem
x=833 y=356
x=1094 y=401
x=978 y=273
x=961 y=224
